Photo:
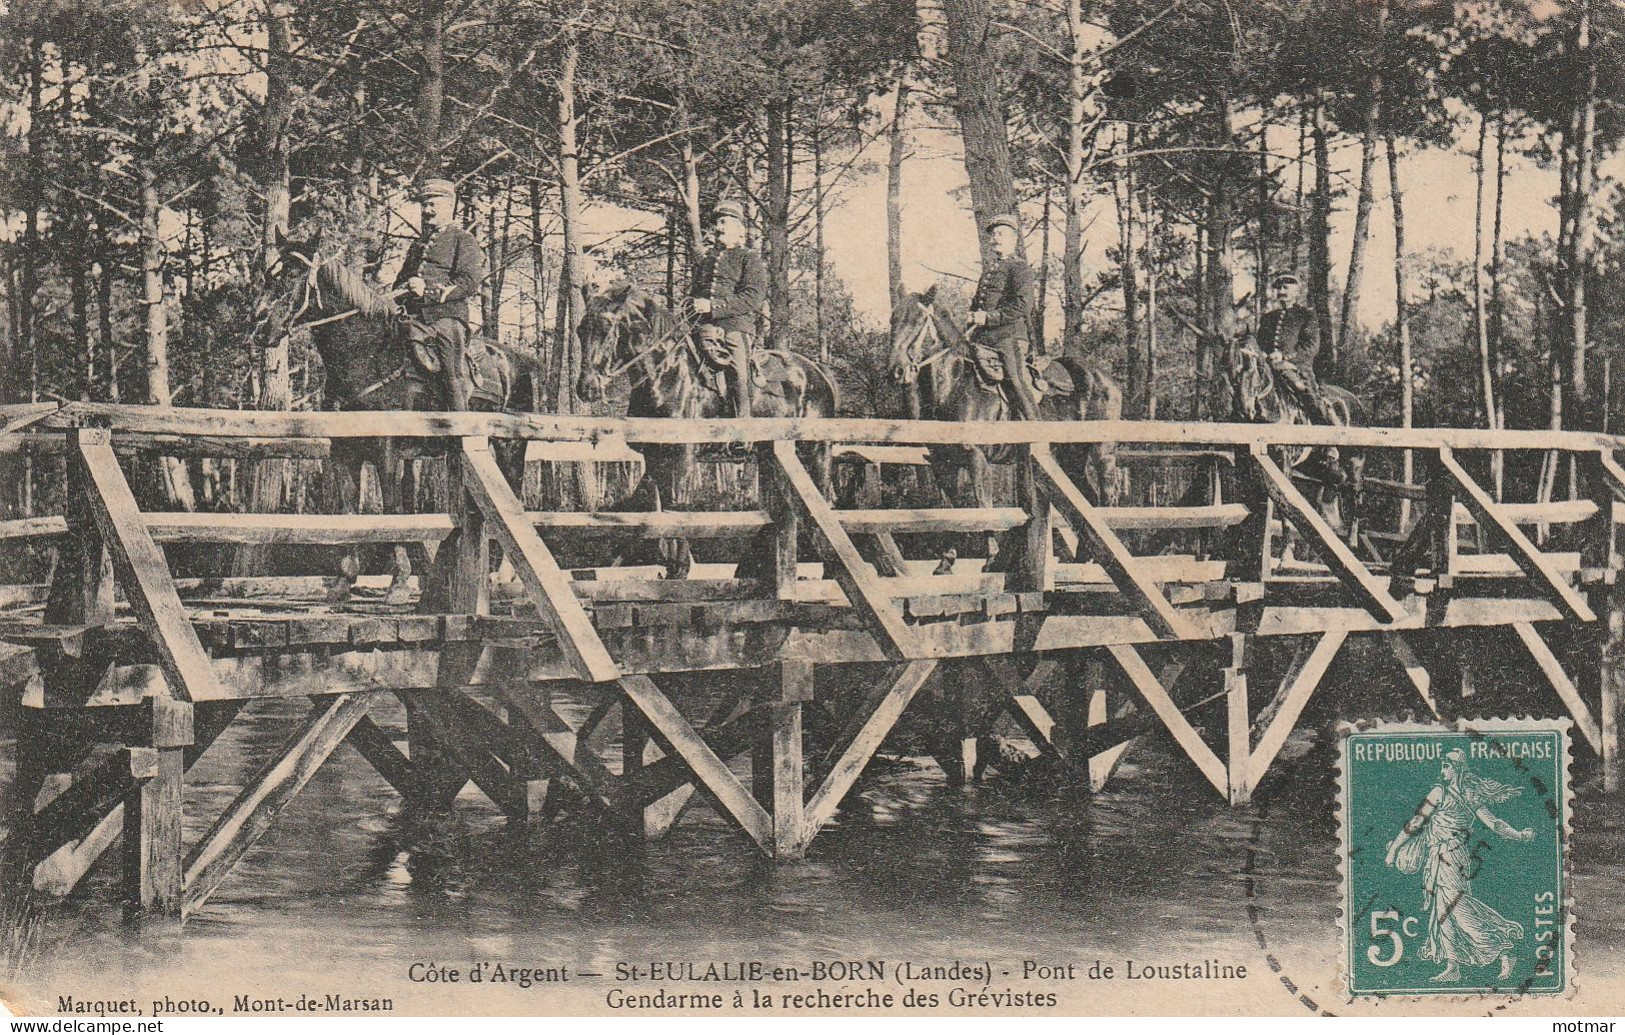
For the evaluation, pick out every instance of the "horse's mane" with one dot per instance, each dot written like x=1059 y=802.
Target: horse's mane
x=349 y=290
x=628 y=297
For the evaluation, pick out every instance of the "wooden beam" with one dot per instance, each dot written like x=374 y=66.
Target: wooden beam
x=658 y=524
x=1214 y=515
x=1410 y=663
x=471 y=752
x=1366 y=587
x=878 y=714
x=154 y=817
x=1134 y=667
x=1584 y=720
x=247 y=819
x=567 y=756
x=33 y=528
x=863 y=589
x=646 y=430
x=144 y=573
x=315 y=529
x=933 y=519
x=378 y=748
x=1529 y=558
x=1299 y=684
x=548 y=587
x=1120 y=565
x=678 y=736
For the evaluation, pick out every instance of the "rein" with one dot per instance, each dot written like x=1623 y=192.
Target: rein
x=680 y=333
x=929 y=327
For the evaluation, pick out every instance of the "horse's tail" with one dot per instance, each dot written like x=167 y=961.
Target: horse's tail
x=807 y=363
x=1352 y=405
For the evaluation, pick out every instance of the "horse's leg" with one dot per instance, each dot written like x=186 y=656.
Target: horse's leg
x=348 y=460
x=510 y=458
x=666 y=470
x=393 y=480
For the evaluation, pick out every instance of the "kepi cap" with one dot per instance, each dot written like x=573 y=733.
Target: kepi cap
x=1284 y=278
x=1002 y=220
x=437 y=188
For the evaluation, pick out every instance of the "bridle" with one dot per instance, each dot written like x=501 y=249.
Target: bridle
x=928 y=329
x=679 y=334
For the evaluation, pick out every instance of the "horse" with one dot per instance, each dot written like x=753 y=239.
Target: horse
x=933 y=359
x=376 y=358
x=1257 y=398
x=627 y=330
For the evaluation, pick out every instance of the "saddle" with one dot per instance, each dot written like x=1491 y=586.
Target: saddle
x=1044 y=377
x=486 y=371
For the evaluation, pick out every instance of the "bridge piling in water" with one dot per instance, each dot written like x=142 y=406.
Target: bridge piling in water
x=118 y=676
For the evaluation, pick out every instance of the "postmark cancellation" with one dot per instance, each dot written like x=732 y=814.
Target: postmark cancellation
x=1454 y=858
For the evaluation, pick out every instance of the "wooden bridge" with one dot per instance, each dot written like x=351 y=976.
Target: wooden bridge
x=117 y=675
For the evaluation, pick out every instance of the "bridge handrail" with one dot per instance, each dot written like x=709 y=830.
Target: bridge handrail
x=176 y=423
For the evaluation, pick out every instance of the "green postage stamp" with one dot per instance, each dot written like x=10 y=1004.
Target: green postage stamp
x=1454 y=851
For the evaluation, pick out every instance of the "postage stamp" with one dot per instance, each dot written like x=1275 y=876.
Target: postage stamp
x=1454 y=857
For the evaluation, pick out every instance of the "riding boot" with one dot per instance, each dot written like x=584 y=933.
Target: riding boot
x=1018 y=391
x=742 y=386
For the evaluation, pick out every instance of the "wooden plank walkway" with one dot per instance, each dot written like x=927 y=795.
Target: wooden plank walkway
x=1085 y=642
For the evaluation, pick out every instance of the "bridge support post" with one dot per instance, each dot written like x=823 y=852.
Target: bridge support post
x=154 y=861
x=1611 y=680
x=1239 y=757
x=776 y=764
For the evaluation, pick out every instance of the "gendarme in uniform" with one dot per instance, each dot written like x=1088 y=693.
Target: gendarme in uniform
x=452 y=268
x=1004 y=298
x=730 y=284
x=1293 y=332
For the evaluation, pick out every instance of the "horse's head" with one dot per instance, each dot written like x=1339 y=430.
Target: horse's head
x=605 y=332
x=285 y=288
x=921 y=334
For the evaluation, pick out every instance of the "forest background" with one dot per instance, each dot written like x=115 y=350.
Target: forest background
x=1167 y=156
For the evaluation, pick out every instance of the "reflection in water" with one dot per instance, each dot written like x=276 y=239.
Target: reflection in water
x=347 y=891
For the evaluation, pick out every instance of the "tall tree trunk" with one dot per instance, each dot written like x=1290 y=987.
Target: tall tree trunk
x=1041 y=308
x=1402 y=318
x=431 y=82
x=1362 y=223
x=566 y=359
x=271 y=479
x=777 y=220
x=1261 y=239
x=897 y=150
x=819 y=256
x=539 y=399
x=1584 y=222
x=1220 y=292
x=1127 y=269
x=1147 y=361
x=1481 y=333
x=980 y=107
x=1297 y=209
x=104 y=323
x=1497 y=315
x=1329 y=363
x=1072 y=300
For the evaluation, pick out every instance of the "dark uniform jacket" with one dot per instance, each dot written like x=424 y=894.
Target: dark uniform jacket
x=1294 y=331
x=453 y=257
x=1005 y=293
x=735 y=280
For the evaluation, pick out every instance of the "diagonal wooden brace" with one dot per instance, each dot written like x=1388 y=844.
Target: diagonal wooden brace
x=548 y=586
x=1134 y=667
x=247 y=819
x=874 y=719
x=851 y=572
x=1096 y=536
x=1366 y=587
x=143 y=572
x=1584 y=720
x=1524 y=553
x=680 y=738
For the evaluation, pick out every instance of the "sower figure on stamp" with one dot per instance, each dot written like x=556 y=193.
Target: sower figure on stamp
x=729 y=287
x=1289 y=337
x=1461 y=927
x=441 y=276
x=999 y=312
